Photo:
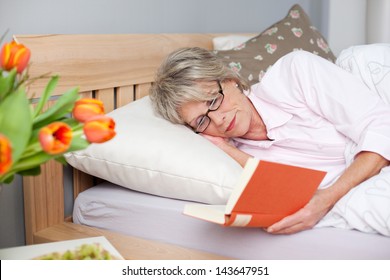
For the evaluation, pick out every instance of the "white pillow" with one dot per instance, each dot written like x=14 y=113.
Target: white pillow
x=228 y=42
x=152 y=155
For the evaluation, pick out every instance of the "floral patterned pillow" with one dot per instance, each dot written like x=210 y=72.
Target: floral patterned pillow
x=295 y=32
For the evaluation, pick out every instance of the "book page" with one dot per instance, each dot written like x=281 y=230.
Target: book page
x=246 y=175
x=211 y=213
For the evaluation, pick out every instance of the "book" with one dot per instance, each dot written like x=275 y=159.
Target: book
x=266 y=192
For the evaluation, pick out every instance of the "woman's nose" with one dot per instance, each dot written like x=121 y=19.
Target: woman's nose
x=217 y=117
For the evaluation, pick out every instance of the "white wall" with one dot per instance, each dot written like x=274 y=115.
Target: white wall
x=346 y=24
x=378 y=21
x=356 y=22
x=144 y=16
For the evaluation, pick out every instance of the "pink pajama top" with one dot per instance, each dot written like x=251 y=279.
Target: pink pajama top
x=317 y=115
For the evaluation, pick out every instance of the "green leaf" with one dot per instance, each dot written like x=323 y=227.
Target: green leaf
x=31 y=162
x=7 y=179
x=7 y=83
x=46 y=95
x=61 y=160
x=78 y=143
x=16 y=121
x=72 y=123
x=31 y=172
x=63 y=106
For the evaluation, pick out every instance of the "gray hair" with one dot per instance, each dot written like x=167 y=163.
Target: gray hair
x=176 y=80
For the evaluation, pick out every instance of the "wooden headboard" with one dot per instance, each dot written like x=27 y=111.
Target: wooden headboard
x=116 y=69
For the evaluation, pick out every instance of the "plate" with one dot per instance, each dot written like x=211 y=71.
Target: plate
x=36 y=251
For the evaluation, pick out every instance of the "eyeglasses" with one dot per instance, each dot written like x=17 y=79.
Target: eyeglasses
x=215 y=103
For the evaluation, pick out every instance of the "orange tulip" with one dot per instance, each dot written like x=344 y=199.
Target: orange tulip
x=55 y=138
x=5 y=154
x=99 y=129
x=14 y=55
x=87 y=108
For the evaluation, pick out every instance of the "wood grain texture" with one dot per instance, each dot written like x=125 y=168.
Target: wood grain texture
x=43 y=199
x=124 y=95
x=107 y=97
x=142 y=90
x=93 y=62
x=131 y=248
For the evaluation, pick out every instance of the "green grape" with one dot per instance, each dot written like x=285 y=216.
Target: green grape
x=84 y=252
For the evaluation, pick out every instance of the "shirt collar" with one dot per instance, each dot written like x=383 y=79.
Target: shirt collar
x=272 y=115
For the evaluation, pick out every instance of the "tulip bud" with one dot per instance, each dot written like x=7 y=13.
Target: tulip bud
x=55 y=138
x=99 y=129
x=87 y=108
x=14 y=55
x=5 y=154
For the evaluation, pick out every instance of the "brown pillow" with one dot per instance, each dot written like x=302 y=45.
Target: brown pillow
x=295 y=32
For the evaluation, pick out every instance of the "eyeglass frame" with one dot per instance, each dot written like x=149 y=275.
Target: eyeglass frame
x=206 y=116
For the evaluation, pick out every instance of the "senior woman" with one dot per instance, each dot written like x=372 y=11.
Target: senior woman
x=306 y=111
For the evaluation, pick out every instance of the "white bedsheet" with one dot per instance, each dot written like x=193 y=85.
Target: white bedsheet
x=111 y=207
x=366 y=207
x=371 y=63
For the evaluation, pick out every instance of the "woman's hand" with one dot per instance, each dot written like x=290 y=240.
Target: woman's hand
x=305 y=218
x=365 y=165
x=216 y=140
x=225 y=145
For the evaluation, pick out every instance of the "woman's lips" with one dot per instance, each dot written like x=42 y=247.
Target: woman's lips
x=232 y=123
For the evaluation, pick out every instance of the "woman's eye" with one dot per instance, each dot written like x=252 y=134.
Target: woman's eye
x=198 y=120
x=211 y=103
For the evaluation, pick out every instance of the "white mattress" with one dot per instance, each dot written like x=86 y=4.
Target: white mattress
x=115 y=208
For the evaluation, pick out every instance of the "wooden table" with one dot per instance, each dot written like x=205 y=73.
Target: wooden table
x=129 y=247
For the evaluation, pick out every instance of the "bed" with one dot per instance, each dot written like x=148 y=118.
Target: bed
x=141 y=220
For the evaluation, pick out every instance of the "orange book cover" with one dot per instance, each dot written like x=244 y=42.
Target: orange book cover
x=266 y=193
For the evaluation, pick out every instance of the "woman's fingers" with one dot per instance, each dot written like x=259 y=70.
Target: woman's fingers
x=296 y=222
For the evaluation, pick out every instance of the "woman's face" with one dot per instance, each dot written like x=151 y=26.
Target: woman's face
x=233 y=117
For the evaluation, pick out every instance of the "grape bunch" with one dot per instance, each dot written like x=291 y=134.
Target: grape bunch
x=84 y=252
